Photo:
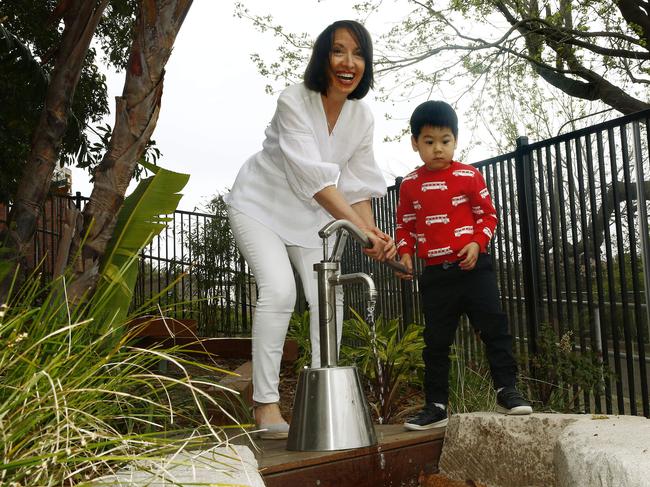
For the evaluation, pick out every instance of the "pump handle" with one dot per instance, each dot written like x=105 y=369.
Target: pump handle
x=360 y=237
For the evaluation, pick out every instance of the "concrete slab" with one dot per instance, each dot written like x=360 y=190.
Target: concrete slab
x=226 y=465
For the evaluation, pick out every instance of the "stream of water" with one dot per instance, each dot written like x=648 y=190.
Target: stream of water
x=379 y=391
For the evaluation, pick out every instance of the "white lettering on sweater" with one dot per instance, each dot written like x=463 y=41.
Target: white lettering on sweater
x=464 y=172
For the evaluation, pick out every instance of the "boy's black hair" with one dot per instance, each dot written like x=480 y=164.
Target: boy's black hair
x=316 y=73
x=434 y=114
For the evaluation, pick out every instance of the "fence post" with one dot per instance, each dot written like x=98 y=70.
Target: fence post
x=525 y=201
x=406 y=286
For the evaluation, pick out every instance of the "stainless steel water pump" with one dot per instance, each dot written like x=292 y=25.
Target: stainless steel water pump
x=330 y=411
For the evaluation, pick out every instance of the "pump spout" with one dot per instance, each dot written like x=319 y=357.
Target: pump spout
x=357 y=278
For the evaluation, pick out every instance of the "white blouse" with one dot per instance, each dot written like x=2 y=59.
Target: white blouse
x=299 y=158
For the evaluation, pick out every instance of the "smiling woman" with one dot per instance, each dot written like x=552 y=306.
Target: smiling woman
x=317 y=163
x=337 y=68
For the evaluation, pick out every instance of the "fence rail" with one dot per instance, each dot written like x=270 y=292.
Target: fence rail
x=571 y=251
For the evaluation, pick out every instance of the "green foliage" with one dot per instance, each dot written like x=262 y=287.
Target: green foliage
x=470 y=384
x=561 y=374
x=212 y=245
x=216 y=270
x=90 y=154
x=22 y=88
x=76 y=404
x=29 y=37
x=386 y=358
x=138 y=222
x=299 y=331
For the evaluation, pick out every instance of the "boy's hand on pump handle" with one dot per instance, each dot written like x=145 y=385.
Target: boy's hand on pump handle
x=408 y=263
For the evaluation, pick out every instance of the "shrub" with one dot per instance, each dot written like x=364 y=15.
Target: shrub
x=561 y=374
x=77 y=403
x=386 y=358
x=299 y=331
x=470 y=384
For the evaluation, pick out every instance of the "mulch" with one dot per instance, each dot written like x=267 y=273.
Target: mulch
x=408 y=402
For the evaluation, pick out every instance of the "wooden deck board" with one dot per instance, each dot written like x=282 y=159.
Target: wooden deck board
x=397 y=460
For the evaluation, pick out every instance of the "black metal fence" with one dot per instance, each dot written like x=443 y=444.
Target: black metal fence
x=45 y=245
x=572 y=251
x=195 y=271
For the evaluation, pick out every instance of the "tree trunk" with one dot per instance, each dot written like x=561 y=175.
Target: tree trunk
x=81 y=18
x=602 y=217
x=157 y=25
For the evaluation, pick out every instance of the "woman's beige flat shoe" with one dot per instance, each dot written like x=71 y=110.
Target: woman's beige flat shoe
x=278 y=431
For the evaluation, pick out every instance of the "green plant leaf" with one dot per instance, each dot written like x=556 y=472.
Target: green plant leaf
x=141 y=218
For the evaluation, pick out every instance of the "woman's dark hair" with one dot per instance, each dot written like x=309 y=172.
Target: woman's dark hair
x=316 y=73
x=434 y=114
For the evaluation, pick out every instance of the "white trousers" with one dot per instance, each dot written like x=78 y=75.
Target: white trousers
x=270 y=260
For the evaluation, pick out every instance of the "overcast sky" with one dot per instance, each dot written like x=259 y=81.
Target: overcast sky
x=214 y=107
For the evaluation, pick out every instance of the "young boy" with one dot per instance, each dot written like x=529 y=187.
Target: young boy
x=445 y=207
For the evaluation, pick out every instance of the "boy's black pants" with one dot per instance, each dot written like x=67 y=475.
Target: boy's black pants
x=448 y=292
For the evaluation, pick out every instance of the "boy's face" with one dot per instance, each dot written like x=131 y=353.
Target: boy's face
x=436 y=146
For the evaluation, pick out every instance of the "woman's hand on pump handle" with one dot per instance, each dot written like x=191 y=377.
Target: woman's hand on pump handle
x=383 y=246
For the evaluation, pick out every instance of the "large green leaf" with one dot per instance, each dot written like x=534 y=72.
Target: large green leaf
x=142 y=217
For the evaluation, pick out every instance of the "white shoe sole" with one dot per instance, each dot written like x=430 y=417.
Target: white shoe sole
x=273 y=432
x=272 y=436
x=417 y=427
x=516 y=411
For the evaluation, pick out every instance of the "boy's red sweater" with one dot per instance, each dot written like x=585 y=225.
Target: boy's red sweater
x=443 y=211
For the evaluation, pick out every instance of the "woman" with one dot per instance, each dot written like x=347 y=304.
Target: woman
x=316 y=164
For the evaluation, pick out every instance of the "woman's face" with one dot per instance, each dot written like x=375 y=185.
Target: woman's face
x=346 y=64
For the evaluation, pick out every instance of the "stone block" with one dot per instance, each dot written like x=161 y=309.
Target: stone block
x=604 y=451
x=503 y=451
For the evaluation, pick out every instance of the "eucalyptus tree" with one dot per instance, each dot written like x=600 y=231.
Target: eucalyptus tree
x=151 y=34
x=592 y=50
x=596 y=51
x=30 y=35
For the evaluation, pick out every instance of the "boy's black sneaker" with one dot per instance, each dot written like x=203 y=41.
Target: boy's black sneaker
x=510 y=401
x=430 y=417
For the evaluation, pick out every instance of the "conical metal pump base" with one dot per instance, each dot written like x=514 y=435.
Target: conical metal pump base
x=330 y=412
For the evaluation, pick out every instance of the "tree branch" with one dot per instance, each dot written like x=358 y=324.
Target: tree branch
x=157 y=25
